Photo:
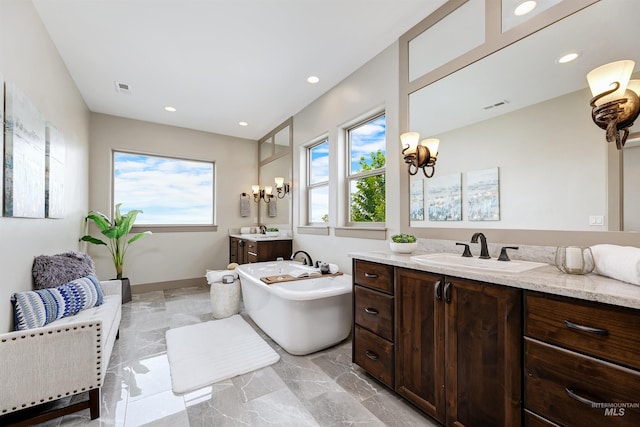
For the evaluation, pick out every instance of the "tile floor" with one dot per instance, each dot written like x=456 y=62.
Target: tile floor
x=321 y=389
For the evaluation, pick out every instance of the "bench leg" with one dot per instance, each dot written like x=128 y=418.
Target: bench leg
x=94 y=403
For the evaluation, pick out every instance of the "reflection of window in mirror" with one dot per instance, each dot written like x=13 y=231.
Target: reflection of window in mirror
x=318 y=182
x=281 y=140
x=266 y=148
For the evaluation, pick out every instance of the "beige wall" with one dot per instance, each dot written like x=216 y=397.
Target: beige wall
x=373 y=85
x=29 y=59
x=172 y=256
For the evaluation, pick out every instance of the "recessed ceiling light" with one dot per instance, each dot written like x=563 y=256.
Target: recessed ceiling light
x=568 y=57
x=170 y=109
x=243 y=123
x=524 y=8
x=313 y=79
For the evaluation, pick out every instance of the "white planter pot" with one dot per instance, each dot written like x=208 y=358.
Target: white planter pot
x=403 y=248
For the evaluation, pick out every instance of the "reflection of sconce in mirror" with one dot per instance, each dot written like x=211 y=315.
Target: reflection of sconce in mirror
x=422 y=155
x=282 y=188
x=615 y=101
x=265 y=193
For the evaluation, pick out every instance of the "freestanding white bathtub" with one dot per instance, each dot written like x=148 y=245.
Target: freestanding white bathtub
x=302 y=316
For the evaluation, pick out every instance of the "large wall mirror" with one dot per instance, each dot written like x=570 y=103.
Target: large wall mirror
x=275 y=162
x=518 y=150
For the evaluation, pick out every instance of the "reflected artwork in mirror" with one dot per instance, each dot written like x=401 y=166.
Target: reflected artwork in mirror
x=523 y=111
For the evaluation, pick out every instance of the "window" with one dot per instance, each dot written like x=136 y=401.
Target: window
x=169 y=191
x=318 y=182
x=366 y=171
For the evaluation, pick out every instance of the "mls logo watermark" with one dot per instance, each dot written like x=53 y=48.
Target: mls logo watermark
x=615 y=409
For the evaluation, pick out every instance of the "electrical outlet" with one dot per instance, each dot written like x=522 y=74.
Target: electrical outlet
x=596 y=220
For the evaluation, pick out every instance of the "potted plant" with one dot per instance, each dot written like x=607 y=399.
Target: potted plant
x=403 y=243
x=116 y=232
x=272 y=231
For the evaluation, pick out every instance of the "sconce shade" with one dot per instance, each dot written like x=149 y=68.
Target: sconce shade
x=268 y=190
x=409 y=141
x=255 y=189
x=603 y=79
x=432 y=144
x=279 y=181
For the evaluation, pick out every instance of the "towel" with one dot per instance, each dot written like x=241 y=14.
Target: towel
x=273 y=208
x=214 y=276
x=245 y=206
x=618 y=262
x=333 y=268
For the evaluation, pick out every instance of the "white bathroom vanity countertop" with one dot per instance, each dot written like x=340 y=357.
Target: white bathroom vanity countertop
x=547 y=279
x=260 y=237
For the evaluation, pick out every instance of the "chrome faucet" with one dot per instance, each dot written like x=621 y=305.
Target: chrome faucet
x=306 y=261
x=484 y=250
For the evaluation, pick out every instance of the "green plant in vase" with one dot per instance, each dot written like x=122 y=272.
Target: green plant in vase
x=116 y=232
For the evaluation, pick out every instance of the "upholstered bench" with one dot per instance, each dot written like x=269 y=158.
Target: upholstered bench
x=65 y=357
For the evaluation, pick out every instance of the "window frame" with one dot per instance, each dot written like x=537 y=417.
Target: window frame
x=312 y=186
x=166 y=228
x=350 y=177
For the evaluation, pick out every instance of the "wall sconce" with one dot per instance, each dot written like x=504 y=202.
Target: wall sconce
x=265 y=193
x=422 y=155
x=282 y=188
x=615 y=104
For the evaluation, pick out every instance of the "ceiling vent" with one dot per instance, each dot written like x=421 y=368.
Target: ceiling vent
x=497 y=104
x=123 y=88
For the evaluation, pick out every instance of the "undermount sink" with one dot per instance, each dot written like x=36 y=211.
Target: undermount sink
x=455 y=260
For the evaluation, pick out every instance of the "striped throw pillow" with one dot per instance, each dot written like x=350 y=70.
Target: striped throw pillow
x=34 y=309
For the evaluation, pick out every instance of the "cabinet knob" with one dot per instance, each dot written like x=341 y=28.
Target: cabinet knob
x=370 y=310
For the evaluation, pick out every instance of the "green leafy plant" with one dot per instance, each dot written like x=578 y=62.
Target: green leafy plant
x=272 y=229
x=116 y=232
x=403 y=238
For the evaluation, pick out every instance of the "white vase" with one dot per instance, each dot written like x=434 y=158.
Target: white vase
x=403 y=248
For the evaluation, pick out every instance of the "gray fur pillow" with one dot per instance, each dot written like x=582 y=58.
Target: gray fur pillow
x=55 y=270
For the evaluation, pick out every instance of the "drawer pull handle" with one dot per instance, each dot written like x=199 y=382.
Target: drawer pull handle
x=438 y=286
x=370 y=276
x=371 y=355
x=447 y=292
x=588 y=329
x=370 y=310
x=572 y=394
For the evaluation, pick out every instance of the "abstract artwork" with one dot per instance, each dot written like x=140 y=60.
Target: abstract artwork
x=416 y=200
x=483 y=195
x=54 y=173
x=24 y=154
x=445 y=198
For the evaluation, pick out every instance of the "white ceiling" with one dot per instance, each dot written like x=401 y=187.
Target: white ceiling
x=219 y=62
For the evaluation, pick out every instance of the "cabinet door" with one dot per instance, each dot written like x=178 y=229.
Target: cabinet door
x=420 y=340
x=233 y=249
x=484 y=353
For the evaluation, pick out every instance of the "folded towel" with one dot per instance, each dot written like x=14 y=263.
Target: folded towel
x=273 y=208
x=216 y=275
x=245 y=206
x=333 y=268
x=617 y=262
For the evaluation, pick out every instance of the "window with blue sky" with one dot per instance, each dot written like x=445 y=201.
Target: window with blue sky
x=318 y=182
x=168 y=190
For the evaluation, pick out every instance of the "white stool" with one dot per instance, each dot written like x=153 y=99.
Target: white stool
x=225 y=299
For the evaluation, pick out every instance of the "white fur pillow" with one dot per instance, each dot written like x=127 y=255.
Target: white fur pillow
x=50 y=271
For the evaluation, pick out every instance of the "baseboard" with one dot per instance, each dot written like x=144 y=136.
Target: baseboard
x=170 y=284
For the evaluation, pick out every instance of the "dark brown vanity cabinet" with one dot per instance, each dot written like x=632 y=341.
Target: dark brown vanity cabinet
x=243 y=251
x=582 y=363
x=458 y=348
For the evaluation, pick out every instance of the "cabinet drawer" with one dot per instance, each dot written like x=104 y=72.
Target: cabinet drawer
x=534 y=420
x=374 y=311
x=374 y=354
x=373 y=275
x=608 y=332
x=561 y=385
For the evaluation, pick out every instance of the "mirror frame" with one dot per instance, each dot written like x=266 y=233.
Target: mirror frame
x=276 y=156
x=495 y=40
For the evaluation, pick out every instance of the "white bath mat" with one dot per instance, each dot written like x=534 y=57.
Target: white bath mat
x=205 y=353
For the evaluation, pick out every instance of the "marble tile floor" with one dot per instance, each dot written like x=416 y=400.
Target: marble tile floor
x=320 y=389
